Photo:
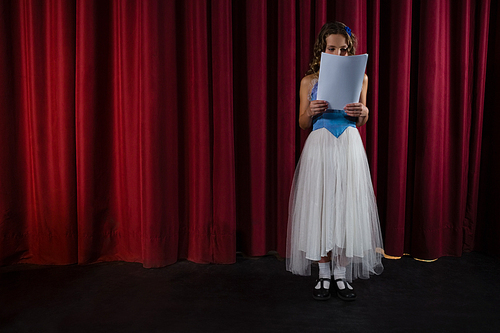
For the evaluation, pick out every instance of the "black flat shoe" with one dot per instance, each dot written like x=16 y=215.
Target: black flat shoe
x=345 y=294
x=321 y=294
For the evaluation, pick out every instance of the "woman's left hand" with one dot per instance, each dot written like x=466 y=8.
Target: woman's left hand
x=356 y=110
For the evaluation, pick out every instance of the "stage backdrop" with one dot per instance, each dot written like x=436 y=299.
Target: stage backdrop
x=154 y=131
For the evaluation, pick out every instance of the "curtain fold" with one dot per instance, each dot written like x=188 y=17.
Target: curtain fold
x=443 y=109
x=486 y=235
x=165 y=179
x=254 y=112
x=224 y=193
x=153 y=131
x=158 y=102
x=38 y=220
x=395 y=72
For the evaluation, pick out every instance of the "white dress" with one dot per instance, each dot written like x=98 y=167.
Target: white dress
x=332 y=205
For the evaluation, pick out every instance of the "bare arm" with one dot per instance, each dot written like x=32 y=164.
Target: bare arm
x=359 y=110
x=308 y=109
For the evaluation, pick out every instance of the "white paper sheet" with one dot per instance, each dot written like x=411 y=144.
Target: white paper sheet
x=341 y=79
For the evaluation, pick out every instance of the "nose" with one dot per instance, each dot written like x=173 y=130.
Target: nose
x=336 y=52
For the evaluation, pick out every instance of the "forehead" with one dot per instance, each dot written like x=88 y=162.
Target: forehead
x=336 y=40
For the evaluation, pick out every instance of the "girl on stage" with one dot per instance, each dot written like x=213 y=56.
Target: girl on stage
x=333 y=216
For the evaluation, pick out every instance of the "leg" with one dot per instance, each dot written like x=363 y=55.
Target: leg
x=324 y=259
x=344 y=290
x=324 y=267
x=321 y=290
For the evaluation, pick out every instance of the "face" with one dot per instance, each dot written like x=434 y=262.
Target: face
x=337 y=45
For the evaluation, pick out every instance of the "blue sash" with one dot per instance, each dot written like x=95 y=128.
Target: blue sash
x=335 y=121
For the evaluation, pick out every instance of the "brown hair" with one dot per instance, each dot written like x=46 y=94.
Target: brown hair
x=330 y=28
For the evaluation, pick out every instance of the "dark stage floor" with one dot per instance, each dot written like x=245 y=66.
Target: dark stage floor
x=253 y=295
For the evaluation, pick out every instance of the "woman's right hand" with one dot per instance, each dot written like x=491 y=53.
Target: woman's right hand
x=316 y=108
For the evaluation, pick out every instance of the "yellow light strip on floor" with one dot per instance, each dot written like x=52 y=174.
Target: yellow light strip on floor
x=405 y=254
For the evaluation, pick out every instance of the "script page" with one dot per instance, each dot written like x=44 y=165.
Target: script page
x=341 y=79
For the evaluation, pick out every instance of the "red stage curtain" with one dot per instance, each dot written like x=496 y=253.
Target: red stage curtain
x=152 y=131
x=38 y=202
x=154 y=135
x=482 y=219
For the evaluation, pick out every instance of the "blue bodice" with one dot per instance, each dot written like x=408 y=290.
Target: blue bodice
x=335 y=121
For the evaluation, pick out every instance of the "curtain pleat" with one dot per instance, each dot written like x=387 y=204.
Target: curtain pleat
x=486 y=234
x=253 y=72
x=38 y=220
x=159 y=141
x=153 y=131
x=223 y=174
x=393 y=119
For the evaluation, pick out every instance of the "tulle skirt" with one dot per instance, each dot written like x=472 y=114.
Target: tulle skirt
x=332 y=207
